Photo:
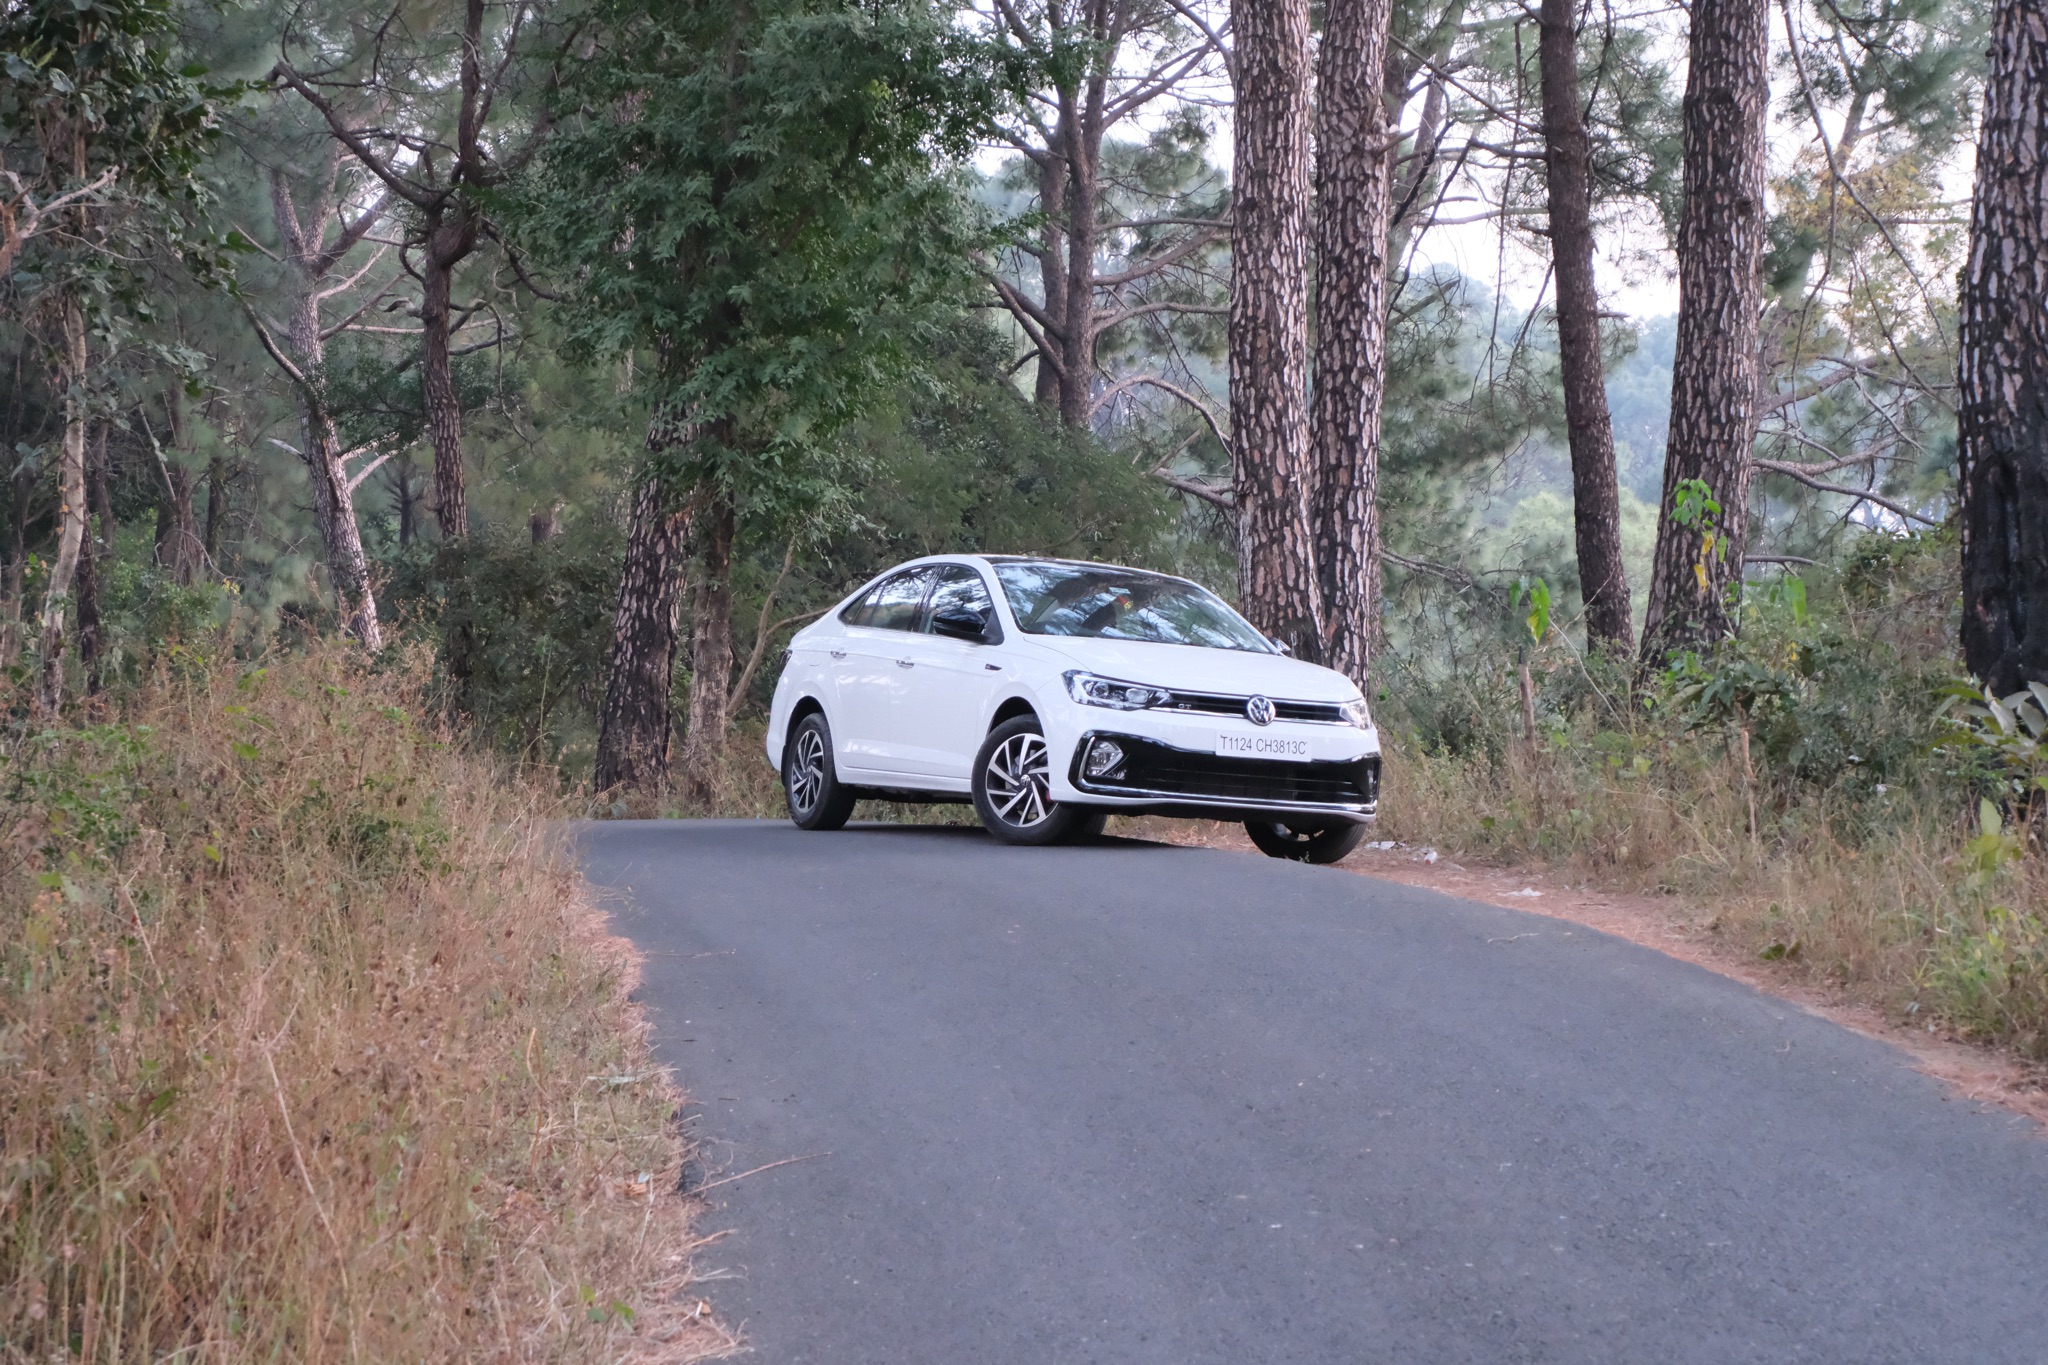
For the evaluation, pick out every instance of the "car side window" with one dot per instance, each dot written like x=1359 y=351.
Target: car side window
x=959 y=589
x=891 y=604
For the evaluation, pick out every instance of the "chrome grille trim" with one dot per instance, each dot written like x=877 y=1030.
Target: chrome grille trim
x=1227 y=704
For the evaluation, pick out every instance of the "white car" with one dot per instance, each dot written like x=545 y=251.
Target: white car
x=1052 y=692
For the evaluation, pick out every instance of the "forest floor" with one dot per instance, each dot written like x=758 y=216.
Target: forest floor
x=1672 y=926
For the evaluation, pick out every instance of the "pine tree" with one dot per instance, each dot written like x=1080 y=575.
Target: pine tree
x=2002 y=416
x=1353 y=207
x=1596 y=496
x=1698 y=567
x=1269 y=239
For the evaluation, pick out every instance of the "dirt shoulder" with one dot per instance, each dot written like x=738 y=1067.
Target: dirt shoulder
x=1670 y=926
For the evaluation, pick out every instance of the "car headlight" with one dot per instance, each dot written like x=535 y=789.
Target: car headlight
x=1358 y=713
x=1090 y=690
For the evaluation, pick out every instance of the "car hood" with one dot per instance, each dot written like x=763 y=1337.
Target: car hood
x=1193 y=668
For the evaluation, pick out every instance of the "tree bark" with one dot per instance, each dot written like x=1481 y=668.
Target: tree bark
x=1596 y=496
x=91 y=639
x=70 y=504
x=334 y=511
x=634 y=723
x=1269 y=322
x=23 y=481
x=178 y=549
x=1352 y=198
x=447 y=242
x=100 y=472
x=710 y=645
x=1720 y=293
x=2002 y=415
x=1052 y=275
x=1081 y=122
x=218 y=476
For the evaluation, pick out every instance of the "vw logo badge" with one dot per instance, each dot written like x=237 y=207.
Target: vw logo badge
x=1259 y=711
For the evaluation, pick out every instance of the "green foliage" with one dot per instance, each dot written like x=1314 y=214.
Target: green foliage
x=96 y=104
x=758 y=197
x=2003 y=743
x=525 y=625
x=1537 y=593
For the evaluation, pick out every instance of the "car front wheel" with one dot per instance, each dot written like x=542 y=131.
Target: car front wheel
x=817 y=798
x=1013 y=789
x=1305 y=843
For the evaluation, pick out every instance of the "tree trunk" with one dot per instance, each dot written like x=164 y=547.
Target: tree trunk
x=217 y=480
x=710 y=645
x=1596 y=497
x=100 y=472
x=633 y=725
x=1693 y=589
x=405 y=499
x=178 y=550
x=2002 y=416
x=1269 y=321
x=334 y=511
x=23 y=480
x=1083 y=126
x=70 y=505
x=91 y=639
x=1352 y=187
x=447 y=242
x=1052 y=276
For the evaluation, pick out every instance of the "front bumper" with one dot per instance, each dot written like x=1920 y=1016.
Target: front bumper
x=1166 y=779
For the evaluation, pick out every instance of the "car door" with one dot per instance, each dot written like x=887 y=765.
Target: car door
x=871 y=674
x=950 y=682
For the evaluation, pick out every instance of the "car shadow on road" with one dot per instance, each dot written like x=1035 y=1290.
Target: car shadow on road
x=875 y=828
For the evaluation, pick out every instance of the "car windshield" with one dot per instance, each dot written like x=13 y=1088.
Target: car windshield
x=1121 y=604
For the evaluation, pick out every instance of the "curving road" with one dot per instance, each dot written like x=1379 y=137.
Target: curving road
x=1133 y=1103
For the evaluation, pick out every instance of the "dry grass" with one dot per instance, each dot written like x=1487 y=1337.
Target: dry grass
x=313 y=1051
x=1909 y=918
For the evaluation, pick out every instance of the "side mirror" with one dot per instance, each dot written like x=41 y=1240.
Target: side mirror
x=960 y=625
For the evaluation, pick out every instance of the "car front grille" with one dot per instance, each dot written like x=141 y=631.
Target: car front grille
x=1154 y=769
x=1223 y=704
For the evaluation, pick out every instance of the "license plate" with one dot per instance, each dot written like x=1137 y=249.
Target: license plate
x=1280 y=747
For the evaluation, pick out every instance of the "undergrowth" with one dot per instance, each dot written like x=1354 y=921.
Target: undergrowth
x=1812 y=793
x=312 y=1050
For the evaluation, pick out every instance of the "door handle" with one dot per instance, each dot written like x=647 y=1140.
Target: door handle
x=838 y=653
x=906 y=663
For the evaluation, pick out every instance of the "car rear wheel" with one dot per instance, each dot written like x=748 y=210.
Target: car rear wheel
x=1013 y=789
x=817 y=798
x=1305 y=843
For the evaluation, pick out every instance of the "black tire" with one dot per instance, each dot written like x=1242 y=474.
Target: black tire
x=1012 y=777
x=1305 y=843
x=817 y=798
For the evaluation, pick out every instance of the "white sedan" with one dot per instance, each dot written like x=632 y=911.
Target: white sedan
x=1052 y=692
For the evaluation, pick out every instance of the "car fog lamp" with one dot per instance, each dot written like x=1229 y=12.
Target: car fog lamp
x=1105 y=757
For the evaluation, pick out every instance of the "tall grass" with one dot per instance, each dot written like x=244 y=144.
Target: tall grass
x=310 y=1048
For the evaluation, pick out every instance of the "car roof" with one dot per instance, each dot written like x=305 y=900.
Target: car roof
x=1074 y=563
x=993 y=560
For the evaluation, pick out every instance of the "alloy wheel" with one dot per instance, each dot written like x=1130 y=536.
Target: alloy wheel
x=1019 y=781
x=807 y=770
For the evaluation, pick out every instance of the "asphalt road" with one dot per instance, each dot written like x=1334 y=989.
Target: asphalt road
x=1133 y=1103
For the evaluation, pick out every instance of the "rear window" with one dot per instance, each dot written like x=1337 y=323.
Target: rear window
x=891 y=604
